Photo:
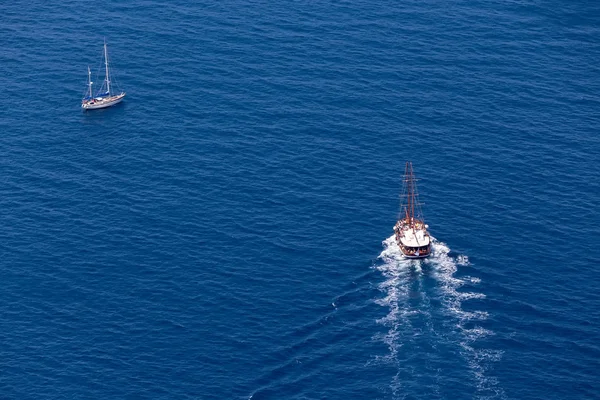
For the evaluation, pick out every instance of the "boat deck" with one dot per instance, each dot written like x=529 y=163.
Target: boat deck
x=414 y=237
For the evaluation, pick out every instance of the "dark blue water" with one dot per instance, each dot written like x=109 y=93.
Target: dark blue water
x=224 y=233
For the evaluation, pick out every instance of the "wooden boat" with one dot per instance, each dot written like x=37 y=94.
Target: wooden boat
x=105 y=97
x=410 y=230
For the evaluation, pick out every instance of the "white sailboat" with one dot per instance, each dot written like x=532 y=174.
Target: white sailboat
x=105 y=97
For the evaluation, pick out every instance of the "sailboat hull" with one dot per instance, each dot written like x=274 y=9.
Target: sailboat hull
x=412 y=254
x=414 y=251
x=105 y=102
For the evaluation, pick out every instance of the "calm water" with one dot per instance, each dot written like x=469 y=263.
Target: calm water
x=225 y=232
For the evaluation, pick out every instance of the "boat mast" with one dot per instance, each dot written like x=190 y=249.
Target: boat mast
x=410 y=194
x=106 y=64
x=90 y=80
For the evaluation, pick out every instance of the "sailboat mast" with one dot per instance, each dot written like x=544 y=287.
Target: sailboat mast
x=412 y=194
x=106 y=64
x=90 y=80
x=408 y=193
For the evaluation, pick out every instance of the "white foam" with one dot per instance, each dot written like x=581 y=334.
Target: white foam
x=400 y=273
x=462 y=260
x=478 y=360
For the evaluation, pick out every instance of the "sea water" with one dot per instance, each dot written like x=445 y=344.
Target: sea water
x=225 y=232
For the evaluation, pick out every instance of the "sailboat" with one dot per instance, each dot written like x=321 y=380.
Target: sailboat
x=105 y=97
x=410 y=230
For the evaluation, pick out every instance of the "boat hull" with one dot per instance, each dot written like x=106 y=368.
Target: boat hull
x=416 y=257
x=414 y=252
x=104 y=103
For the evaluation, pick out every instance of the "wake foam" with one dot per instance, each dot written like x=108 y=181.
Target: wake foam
x=411 y=312
x=407 y=303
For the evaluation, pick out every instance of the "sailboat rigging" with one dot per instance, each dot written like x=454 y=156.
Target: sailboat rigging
x=105 y=97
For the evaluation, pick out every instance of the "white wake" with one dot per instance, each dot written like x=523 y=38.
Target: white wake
x=409 y=302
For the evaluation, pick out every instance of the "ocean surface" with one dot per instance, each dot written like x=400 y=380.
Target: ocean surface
x=226 y=231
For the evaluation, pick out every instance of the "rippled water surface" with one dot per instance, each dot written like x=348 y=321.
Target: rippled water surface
x=225 y=232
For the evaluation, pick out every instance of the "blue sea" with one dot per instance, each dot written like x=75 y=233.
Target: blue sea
x=226 y=231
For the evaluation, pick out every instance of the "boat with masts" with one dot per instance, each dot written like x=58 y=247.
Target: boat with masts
x=410 y=230
x=105 y=97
